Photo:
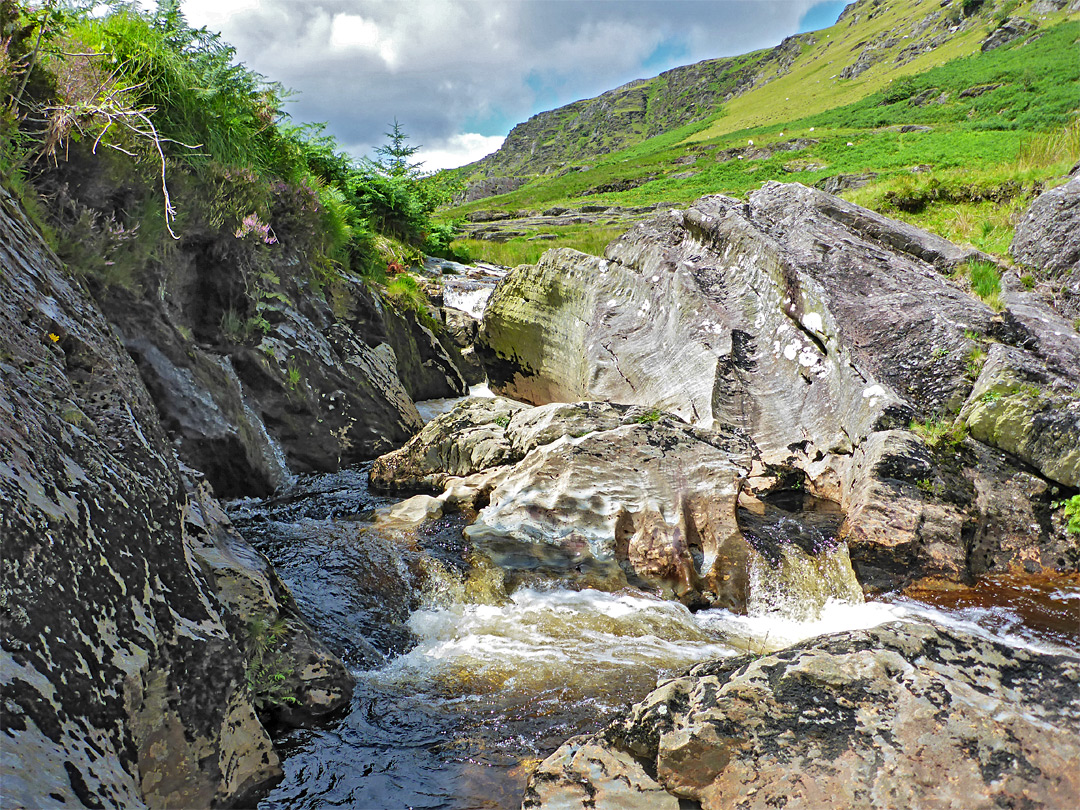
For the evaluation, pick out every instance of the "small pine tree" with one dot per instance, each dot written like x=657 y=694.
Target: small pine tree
x=393 y=160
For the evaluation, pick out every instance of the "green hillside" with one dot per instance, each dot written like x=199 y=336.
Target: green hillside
x=929 y=127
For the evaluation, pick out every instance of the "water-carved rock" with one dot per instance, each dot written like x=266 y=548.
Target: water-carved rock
x=126 y=596
x=821 y=330
x=122 y=683
x=624 y=494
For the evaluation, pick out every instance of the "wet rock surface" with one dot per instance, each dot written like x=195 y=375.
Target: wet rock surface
x=901 y=715
x=625 y=494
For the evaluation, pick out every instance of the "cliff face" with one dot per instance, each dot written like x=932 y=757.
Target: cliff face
x=126 y=598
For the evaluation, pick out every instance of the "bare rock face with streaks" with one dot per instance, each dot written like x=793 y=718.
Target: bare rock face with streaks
x=904 y=715
x=126 y=598
x=1046 y=242
x=821 y=330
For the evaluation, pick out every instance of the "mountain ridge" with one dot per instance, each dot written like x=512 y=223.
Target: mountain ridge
x=872 y=43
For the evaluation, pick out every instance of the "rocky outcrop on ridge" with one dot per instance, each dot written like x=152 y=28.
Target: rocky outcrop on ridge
x=823 y=331
x=641 y=109
x=126 y=599
x=904 y=715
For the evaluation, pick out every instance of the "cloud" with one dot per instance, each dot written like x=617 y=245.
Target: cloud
x=457 y=150
x=451 y=69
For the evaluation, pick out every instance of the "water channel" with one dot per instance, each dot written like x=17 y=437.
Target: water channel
x=463 y=688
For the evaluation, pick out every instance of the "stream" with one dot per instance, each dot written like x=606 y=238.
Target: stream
x=463 y=689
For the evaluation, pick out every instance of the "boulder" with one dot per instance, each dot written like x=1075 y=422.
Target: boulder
x=1045 y=242
x=818 y=328
x=326 y=396
x=903 y=715
x=462 y=329
x=623 y=494
x=1015 y=406
x=894 y=526
x=470 y=438
x=201 y=403
x=747 y=315
x=123 y=685
x=656 y=497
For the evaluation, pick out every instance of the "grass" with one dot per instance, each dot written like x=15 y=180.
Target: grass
x=940 y=433
x=648 y=417
x=522 y=250
x=979 y=166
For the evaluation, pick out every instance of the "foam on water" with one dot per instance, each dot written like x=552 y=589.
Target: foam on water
x=773 y=631
x=431 y=408
x=580 y=640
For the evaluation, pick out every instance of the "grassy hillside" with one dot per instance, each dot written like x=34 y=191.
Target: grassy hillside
x=954 y=139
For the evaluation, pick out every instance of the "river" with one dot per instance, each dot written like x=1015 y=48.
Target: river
x=463 y=689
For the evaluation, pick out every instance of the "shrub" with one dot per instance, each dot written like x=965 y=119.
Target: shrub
x=1072 y=513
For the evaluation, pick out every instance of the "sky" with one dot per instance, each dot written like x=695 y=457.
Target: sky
x=459 y=74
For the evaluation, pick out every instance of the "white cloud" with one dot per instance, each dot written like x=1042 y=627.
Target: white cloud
x=458 y=150
x=351 y=31
x=461 y=68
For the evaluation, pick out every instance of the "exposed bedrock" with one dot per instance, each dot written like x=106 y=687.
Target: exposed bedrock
x=821 y=330
x=904 y=715
x=313 y=392
x=126 y=599
x=1046 y=243
x=614 y=494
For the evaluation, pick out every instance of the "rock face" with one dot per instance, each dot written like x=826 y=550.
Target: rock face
x=123 y=612
x=308 y=394
x=818 y=328
x=1011 y=29
x=1046 y=242
x=625 y=494
x=905 y=715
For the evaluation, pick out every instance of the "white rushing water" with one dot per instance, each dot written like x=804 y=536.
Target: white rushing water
x=430 y=408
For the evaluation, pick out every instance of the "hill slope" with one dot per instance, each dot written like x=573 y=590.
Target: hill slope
x=872 y=44
x=950 y=121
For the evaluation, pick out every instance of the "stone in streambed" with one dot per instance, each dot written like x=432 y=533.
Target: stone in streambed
x=601 y=492
x=469 y=438
x=904 y=715
x=658 y=498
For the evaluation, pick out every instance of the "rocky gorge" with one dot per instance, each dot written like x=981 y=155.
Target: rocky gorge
x=744 y=408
